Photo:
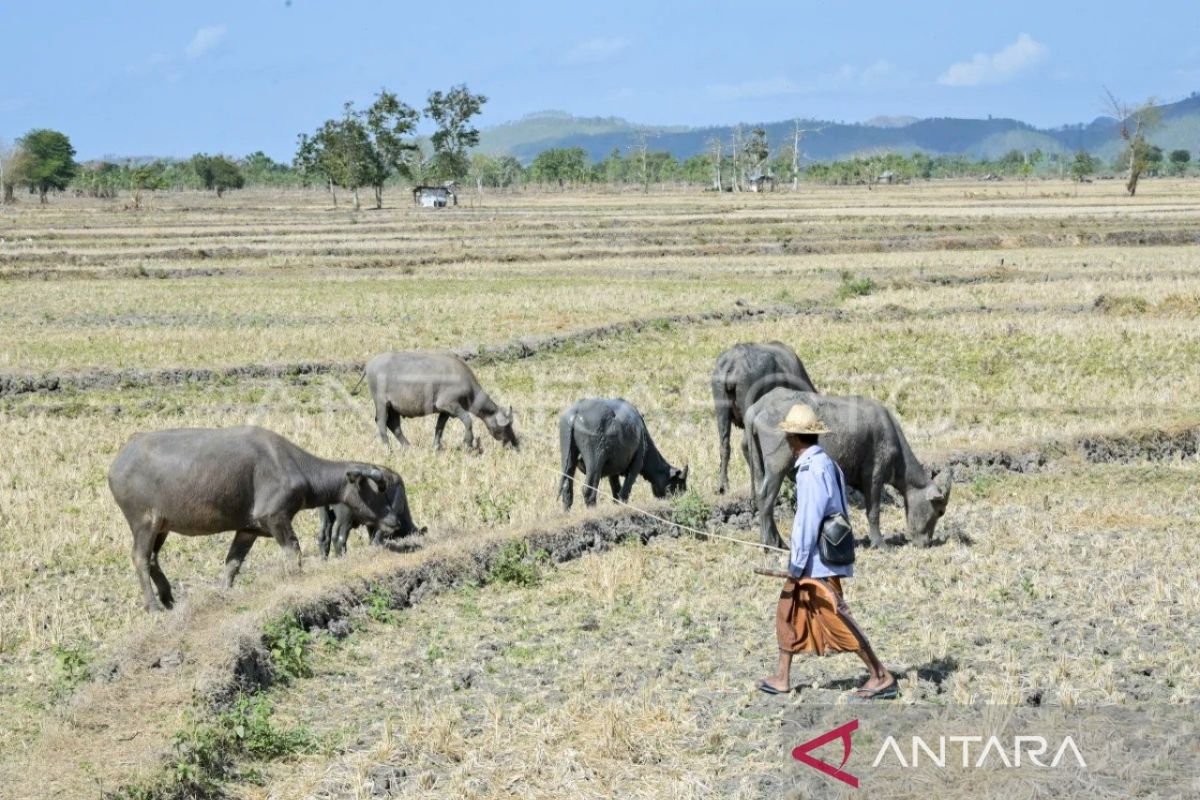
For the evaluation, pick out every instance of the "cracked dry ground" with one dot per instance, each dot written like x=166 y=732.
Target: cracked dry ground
x=629 y=673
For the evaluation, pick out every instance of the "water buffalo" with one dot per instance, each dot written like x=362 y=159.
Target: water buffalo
x=608 y=438
x=744 y=373
x=338 y=520
x=197 y=482
x=417 y=384
x=866 y=442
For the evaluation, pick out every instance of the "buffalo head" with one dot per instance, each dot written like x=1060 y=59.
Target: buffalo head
x=500 y=425
x=925 y=505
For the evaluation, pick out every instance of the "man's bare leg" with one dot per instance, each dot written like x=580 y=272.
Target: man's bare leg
x=781 y=679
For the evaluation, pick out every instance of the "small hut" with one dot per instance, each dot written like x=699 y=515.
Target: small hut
x=435 y=196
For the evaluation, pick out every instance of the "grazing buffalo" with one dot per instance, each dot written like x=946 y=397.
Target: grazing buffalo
x=338 y=520
x=197 y=482
x=417 y=384
x=744 y=373
x=867 y=443
x=608 y=438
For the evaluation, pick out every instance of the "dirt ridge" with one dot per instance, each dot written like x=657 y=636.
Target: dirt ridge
x=15 y=383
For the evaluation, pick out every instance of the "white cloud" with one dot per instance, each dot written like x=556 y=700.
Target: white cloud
x=595 y=51
x=996 y=67
x=205 y=40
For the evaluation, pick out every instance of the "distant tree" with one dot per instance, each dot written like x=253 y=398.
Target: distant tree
x=146 y=178
x=510 y=172
x=11 y=169
x=218 y=173
x=485 y=171
x=260 y=169
x=639 y=151
x=716 y=152
x=1135 y=124
x=755 y=152
x=452 y=112
x=363 y=148
x=1083 y=166
x=47 y=162
x=390 y=124
x=1179 y=161
x=1154 y=159
x=101 y=179
x=560 y=166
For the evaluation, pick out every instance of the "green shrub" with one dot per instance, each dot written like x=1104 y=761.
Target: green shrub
x=515 y=564
x=73 y=667
x=379 y=605
x=288 y=644
x=690 y=509
x=854 y=287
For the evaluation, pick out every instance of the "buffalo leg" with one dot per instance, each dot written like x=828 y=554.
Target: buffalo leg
x=723 y=426
x=439 y=429
x=635 y=469
x=281 y=531
x=873 y=497
x=590 y=485
x=325 y=536
x=242 y=542
x=393 y=424
x=341 y=532
x=381 y=421
x=464 y=417
x=566 y=486
x=614 y=485
x=144 y=539
x=158 y=576
x=746 y=455
x=768 y=494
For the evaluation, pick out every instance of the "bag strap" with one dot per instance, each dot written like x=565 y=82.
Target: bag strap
x=842 y=488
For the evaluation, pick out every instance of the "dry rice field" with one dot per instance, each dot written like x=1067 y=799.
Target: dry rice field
x=1043 y=341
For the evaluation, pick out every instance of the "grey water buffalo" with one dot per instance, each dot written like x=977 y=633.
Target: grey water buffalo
x=867 y=443
x=609 y=439
x=744 y=373
x=338 y=520
x=418 y=384
x=197 y=481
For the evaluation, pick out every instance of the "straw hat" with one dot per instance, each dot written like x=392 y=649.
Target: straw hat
x=802 y=419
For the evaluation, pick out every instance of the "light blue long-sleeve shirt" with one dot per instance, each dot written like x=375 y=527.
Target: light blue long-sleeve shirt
x=818 y=494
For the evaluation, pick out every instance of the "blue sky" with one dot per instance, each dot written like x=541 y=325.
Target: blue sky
x=168 y=78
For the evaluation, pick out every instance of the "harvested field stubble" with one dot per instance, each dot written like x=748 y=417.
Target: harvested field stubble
x=1027 y=341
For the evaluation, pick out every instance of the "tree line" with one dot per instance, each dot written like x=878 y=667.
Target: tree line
x=377 y=147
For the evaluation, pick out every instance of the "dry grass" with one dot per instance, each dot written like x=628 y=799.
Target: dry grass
x=626 y=674
x=972 y=352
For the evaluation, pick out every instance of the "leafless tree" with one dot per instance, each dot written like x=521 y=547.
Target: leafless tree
x=1135 y=122
x=797 y=138
x=642 y=149
x=736 y=148
x=718 y=152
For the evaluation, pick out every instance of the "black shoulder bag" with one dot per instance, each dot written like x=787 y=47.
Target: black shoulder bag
x=835 y=542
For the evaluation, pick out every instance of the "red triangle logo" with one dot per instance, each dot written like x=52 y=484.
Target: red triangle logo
x=843 y=732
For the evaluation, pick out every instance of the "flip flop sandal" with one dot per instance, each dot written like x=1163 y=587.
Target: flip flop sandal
x=763 y=686
x=889 y=692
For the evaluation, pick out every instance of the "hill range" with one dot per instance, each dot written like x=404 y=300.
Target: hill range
x=827 y=140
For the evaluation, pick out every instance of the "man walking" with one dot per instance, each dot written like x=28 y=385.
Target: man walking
x=811 y=616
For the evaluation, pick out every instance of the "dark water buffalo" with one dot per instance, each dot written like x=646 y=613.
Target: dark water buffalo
x=197 y=482
x=866 y=442
x=338 y=520
x=417 y=384
x=608 y=439
x=744 y=373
